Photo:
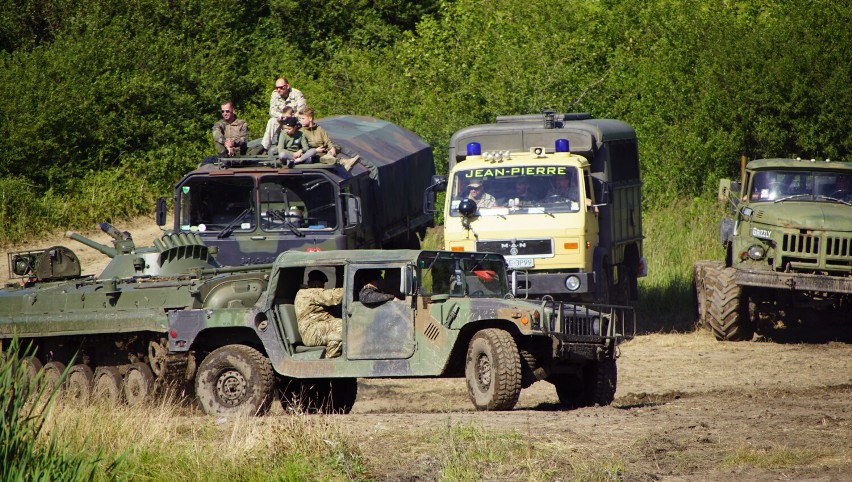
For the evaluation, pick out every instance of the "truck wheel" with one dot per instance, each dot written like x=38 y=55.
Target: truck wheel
x=138 y=384
x=106 y=386
x=79 y=385
x=235 y=380
x=321 y=395
x=699 y=288
x=728 y=313
x=493 y=370
x=597 y=386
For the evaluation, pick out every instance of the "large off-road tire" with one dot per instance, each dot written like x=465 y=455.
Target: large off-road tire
x=106 y=386
x=493 y=370
x=728 y=313
x=78 y=387
x=700 y=289
x=235 y=380
x=597 y=386
x=320 y=395
x=138 y=384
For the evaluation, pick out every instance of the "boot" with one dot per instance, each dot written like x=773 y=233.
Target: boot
x=348 y=163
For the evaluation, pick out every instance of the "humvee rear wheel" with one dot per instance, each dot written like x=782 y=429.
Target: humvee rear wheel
x=728 y=309
x=493 y=370
x=79 y=385
x=235 y=380
x=321 y=395
x=138 y=384
x=51 y=374
x=106 y=385
x=597 y=386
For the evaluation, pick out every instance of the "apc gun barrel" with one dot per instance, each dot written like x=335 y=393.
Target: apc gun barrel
x=111 y=252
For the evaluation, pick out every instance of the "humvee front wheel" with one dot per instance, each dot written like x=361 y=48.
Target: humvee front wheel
x=729 y=314
x=235 y=380
x=493 y=370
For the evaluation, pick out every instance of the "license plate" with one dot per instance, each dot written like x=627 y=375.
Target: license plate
x=518 y=263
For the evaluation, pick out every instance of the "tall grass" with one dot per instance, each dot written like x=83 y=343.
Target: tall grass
x=675 y=237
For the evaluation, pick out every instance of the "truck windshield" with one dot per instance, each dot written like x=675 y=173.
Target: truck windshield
x=301 y=202
x=518 y=190
x=286 y=203
x=477 y=275
x=782 y=185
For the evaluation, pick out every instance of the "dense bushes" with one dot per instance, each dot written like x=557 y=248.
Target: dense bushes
x=131 y=88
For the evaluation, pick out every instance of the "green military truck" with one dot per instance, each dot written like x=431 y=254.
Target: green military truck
x=787 y=242
x=168 y=314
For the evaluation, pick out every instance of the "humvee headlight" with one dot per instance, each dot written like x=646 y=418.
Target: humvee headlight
x=756 y=252
x=572 y=283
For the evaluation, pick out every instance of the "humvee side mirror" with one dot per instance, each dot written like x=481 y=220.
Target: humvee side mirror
x=409 y=281
x=161 y=212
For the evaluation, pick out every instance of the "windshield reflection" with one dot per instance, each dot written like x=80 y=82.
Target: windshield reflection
x=527 y=190
x=478 y=275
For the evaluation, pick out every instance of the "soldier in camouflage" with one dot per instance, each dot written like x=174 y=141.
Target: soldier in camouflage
x=316 y=324
x=283 y=96
x=370 y=294
x=230 y=134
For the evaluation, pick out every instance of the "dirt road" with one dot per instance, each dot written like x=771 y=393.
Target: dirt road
x=687 y=408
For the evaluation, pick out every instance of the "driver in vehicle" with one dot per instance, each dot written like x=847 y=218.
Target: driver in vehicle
x=476 y=192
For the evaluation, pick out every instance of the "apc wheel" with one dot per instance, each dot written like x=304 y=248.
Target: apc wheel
x=51 y=376
x=700 y=289
x=30 y=366
x=493 y=370
x=106 y=385
x=78 y=387
x=728 y=311
x=235 y=380
x=138 y=384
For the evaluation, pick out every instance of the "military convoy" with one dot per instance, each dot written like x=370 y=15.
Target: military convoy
x=581 y=240
x=169 y=314
x=251 y=208
x=787 y=245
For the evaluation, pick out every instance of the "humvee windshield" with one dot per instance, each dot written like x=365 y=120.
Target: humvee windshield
x=462 y=274
x=276 y=203
x=518 y=190
x=783 y=185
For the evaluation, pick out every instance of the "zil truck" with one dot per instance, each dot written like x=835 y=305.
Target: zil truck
x=249 y=209
x=787 y=244
x=562 y=202
x=169 y=315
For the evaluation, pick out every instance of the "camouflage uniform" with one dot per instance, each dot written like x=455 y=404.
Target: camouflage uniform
x=317 y=326
x=294 y=99
x=484 y=201
x=236 y=130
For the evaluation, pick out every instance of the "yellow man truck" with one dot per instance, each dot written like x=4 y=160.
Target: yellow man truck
x=559 y=195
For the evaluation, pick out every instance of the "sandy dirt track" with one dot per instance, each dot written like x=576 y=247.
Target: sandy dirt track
x=685 y=405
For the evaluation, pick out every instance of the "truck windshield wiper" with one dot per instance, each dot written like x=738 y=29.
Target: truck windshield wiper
x=820 y=196
x=292 y=227
x=230 y=227
x=794 y=196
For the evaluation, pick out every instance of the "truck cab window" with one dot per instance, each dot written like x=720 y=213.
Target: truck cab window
x=297 y=202
x=211 y=204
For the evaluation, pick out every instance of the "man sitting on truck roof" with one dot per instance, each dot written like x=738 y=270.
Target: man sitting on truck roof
x=283 y=98
x=317 y=325
x=319 y=140
x=230 y=134
x=292 y=145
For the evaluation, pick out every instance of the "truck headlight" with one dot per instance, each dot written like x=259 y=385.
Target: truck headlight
x=756 y=252
x=572 y=283
x=596 y=326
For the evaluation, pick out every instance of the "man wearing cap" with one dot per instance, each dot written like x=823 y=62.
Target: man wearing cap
x=477 y=193
x=293 y=145
x=316 y=324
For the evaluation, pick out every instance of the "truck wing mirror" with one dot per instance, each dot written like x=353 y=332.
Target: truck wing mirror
x=409 y=281
x=353 y=210
x=161 y=212
x=439 y=184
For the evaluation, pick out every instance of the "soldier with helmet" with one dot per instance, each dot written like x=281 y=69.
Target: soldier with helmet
x=317 y=325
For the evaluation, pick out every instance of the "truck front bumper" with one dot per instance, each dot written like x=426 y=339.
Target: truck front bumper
x=794 y=281
x=540 y=284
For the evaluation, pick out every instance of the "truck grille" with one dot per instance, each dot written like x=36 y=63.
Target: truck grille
x=517 y=247
x=800 y=244
x=816 y=251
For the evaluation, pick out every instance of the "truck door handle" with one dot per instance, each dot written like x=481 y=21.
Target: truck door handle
x=258 y=238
